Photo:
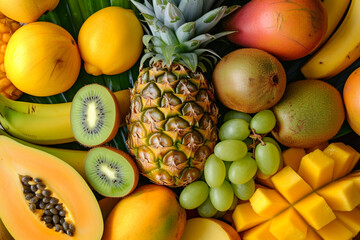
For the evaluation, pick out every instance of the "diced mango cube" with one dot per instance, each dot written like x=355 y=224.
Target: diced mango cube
x=288 y=226
x=266 y=182
x=320 y=146
x=244 y=217
x=343 y=157
x=350 y=219
x=292 y=157
x=316 y=168
x=341 y=195
x=312 y=235
x=315 y=211
x=335 y=230
x=355 y=177
x=290 y=184
x=267 y=202
x=355 y=161
x=260 y=232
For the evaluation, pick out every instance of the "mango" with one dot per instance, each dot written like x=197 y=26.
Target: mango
x=290 y=184
x=316 y=168
x=292 y=157
x=245 y=217
x=208 y=229
x=267 y=202
x=315 y=211
x=350 y=219
x=341 y=195
x=260 y=232
x=289 y=226
x=335 y=230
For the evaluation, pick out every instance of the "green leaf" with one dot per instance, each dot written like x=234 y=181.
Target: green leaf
x=159 y=9
x=192 y=9
x=173 y=18
x=209 y=20
x=186 y=31
x=190 y=60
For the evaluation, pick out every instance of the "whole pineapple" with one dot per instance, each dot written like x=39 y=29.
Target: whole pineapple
x=173 y=117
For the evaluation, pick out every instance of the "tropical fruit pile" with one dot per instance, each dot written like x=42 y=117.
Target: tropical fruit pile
x=179 y=119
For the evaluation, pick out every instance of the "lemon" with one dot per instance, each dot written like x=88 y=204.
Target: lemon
x=42 y=59
x=110 y=41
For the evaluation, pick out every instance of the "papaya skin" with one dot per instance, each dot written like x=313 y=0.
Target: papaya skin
x=4 y=234
x=310 y=113
x=151 y=212
x=67 y=185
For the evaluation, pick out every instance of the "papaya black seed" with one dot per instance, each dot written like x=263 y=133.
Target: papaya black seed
x=40 y=186
x=33 y=188
x=54 y=201
x=69 y=232
x=62 y=213
x=54 y=211
x=41 y=205
x=49 y=206
x=37 y=180
x=32 y=207
x=58 y=228
x=56 y=219
x=29 y=196
x=46 y=199
x=66 y=226
x=46 y=193
x=49 y=225
x=59 y=207
x=47 y=212
x=34 y=199
x=48 y=219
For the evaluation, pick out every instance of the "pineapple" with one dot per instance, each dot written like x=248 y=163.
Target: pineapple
x=173 y=115
x=7 y=28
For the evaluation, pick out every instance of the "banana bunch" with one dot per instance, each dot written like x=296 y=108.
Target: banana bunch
x=45 y=124
x=343 y=47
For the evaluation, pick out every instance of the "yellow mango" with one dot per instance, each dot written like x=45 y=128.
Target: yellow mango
x=335 y=230
x=355 y=177
x=290 y=184
x=343 y=157
x=355 y=161
x=267 y=202
x=292 y=157
x=260 y=232
x=312 y=235
x=315 y=211
x=316 y=168
x=341 y=195
x=244 y=217
x=350 y=219
x=288 y=226
x=266 y=182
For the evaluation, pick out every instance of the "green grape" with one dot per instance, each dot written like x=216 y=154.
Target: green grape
x=219 y=214
x=241 y=171
x=207 y=209
x=273 y=141
x=230 y=150
x=244 y=191
x=234 y=203
x=234 y=129
x=237 y=115
x=267 y=158
x=263 y=122
x=214 y=171
x=222 y=197
x=194 y=194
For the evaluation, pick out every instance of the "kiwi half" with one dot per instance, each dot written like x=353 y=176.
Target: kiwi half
x=94 y=115
x=111 y=172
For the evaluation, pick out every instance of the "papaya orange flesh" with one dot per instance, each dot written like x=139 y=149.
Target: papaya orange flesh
x=65 y=184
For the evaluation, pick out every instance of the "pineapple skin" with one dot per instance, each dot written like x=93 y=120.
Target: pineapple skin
x=172 y=124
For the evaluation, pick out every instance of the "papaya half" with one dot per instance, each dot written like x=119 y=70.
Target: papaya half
x=43 y=197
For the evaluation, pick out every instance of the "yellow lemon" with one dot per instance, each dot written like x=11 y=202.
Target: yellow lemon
x=26 y=11
x=110 y=41
x=42 y=59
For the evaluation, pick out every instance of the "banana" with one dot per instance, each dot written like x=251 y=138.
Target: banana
x=75 y=158
x=46 y=124
x=335 y=10
x=340 y=51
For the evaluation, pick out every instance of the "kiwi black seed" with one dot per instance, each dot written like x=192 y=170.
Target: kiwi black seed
x=94 y=115
x=111 y=172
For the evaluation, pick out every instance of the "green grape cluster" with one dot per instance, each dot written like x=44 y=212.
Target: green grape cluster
x=243 y=151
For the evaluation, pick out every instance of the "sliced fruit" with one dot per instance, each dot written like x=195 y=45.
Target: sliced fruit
x=260 y=232
x=36 y=179
x=111 y=172
x=289 y=226
x=341 y=195
x=267 y=202
x=150 y=212
x=208 y=229
x=315 y=211
x=290 y=184
x=94 y=115
x=292 y=157
x=245 y=217
x=316 y=168
x=335 y=230
x=350 y=219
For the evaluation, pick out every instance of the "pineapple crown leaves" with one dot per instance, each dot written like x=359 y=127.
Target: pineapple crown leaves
x=178 y=31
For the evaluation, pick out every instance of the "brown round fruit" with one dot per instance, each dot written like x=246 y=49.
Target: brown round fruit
x=310 y=113
x=249 y=80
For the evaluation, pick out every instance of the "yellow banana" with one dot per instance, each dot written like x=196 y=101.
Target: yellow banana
x=46 y=124
x=335 y=10
x=75 y=158
x=340 y=51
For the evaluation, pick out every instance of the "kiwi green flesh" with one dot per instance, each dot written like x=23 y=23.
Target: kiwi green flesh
x=94 y=115
x=109 y=173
